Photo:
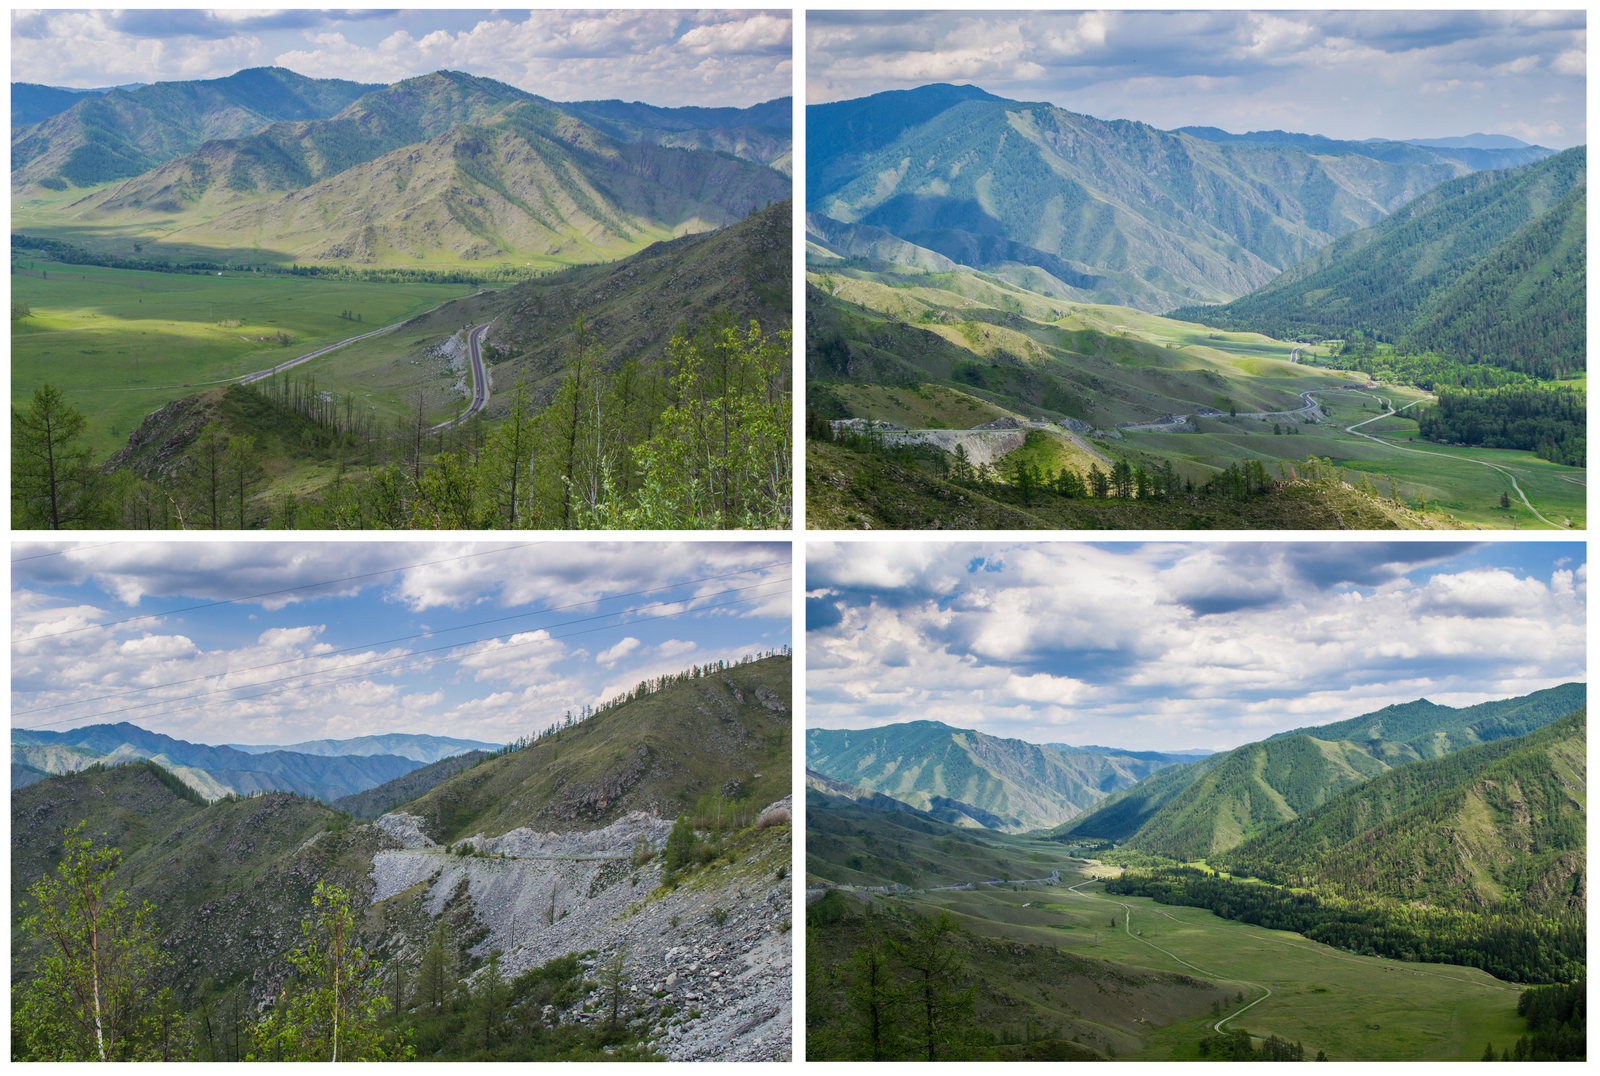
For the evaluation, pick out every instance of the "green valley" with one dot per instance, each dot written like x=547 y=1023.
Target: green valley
x=1348 y=897
x=993 y=276
x=509 y=245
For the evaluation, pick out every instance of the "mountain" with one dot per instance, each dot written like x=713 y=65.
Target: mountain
x=213 y=771
x=1161 y=216
x=32 y=103
x=498 y=176
x=417 y=746
x=707 y=952
x=125 y=133
x=1489 y=824
x=723 y=734
x=1212 y=806
x=386 y=797
x=1427 y=730
x=1475 y=151
x=971 y=778
x=635 y=305
x=1496 y=247
x=761 y=133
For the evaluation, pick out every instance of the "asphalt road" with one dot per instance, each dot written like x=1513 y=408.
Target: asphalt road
x=480 y=378
x=259 y=374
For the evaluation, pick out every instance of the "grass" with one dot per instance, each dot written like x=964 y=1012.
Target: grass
x=1044 y=358
x=121 y=343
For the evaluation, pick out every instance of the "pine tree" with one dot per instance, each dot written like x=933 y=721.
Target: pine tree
x=53 y=484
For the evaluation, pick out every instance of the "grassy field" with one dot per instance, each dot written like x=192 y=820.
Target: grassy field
x=120 y=344
x=920 y=332
x=1354 y=1008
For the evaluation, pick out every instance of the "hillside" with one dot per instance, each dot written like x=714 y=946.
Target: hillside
x=1495 y=246
x=386 y=797
x=1219 y=803
x=1495 y=823
x=722 y=734
x=212 y=771
x=635 y=305
x=706 y=951
x=1150 y=218
x=970 y=778
x=124 y=133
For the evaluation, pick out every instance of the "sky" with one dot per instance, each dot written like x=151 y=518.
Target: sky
x=1170 y=646
x=1346 y=75
x=661 y=57
x=327 y=640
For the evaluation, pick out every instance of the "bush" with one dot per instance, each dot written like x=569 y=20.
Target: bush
x=774 y=816
x=680 y=846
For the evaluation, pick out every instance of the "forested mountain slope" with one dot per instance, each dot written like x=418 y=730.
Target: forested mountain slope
x=1491 y=823
x=124 y=133
x=1489 y=249
x=1214 y=805
x=971 y=778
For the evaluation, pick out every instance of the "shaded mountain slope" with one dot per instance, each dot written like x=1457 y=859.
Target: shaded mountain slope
x=725 y=733
x=970 y=777
x=124 y=133
x=1488 y=824
x=386 y=797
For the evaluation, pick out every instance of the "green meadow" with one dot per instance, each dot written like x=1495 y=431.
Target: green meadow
x=121 y=343
x=1352 y=1007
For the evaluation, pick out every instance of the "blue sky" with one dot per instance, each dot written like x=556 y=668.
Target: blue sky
x=329 y=639
x=1171 y=645
x=662 y=57
x=1343 y=74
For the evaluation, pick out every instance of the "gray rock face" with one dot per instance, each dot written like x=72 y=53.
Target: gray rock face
x=717 y=949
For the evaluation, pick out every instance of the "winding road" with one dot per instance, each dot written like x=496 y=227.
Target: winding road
x=480 y=379
x=1420 y=452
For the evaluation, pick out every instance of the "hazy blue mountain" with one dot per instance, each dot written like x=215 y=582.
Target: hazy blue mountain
x=417 y=746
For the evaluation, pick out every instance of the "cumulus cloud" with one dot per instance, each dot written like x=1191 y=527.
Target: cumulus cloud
x=1349 y=74
x=1210 y=643
x=664 y=57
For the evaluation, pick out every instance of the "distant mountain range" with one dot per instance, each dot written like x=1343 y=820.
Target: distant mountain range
x=1475 y=151
x=1489 y=267
x=1111 y=211
x=33 y=103
x=966 y=777
x=319 y=769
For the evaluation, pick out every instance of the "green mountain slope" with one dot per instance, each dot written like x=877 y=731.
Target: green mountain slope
x=1429 y=730
x=1415 y=270
x=635 y=305
x=725 y=733
x=1165 y=217
x=125 y=133
x=1488 y=824
x=971 y=778
x=533 y=183
x=288 y=156
x=1229 y=798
